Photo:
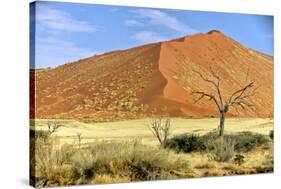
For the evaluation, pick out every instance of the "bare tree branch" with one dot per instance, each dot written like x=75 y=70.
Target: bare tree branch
x=239 y=96
x=216 y=84
x=210 y=96
x=161 y=129
x=205 y=78
x=53 y=126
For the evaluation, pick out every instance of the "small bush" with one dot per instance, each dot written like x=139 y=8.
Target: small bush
x=239 y=159
x=246 y=141
x=271 y=135
x=222 y=150
x=209 y=138
x=243 y=142
x=186 y=143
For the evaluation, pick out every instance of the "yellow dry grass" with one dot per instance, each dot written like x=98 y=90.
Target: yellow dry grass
x=127 y=140
x=257 y=160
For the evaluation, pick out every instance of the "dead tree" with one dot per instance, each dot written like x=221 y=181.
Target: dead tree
x=161 y=129
x=239 y=98
x=53 y=126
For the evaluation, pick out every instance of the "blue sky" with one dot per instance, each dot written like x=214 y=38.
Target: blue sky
x=66 y=32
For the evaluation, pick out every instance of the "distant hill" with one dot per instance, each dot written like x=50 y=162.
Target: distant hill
x=152 y=80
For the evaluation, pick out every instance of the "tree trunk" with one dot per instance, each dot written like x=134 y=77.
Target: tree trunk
x=222 y=117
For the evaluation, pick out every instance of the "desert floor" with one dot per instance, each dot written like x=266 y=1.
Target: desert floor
x=139 y=129
x=258 y=160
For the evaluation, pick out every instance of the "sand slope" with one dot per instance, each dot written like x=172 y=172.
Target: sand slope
x=152 y=80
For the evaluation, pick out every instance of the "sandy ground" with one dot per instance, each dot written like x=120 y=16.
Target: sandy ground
x=139 y=129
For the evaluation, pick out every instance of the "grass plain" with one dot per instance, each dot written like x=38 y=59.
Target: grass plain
x=124 y=151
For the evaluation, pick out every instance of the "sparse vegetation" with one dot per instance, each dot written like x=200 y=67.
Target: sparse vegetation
x=239 y=159
x=222 y=150
x=271 y=134
x=240 y=142
x=103 y=161
x=53 y=126
x=246 y=141
x=39 y=134
x=161 y=129
x=79 y=137
x=186 y=143
x=218 y=148
x=57 y=163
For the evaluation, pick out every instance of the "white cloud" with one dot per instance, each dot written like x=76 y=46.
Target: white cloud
x=157 y=17
x=133 y=23
x=148 y=36
x=58 y=20
x=51 y=52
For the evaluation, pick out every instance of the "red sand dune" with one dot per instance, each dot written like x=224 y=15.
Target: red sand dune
x=153 y=80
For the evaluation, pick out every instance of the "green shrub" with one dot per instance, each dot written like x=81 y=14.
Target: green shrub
x=243 y=141
x=271 y=135
x=246 y=141
x=186 y=143
x=209 y=138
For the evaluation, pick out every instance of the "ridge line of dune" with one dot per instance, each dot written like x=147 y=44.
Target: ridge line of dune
x=172 y=90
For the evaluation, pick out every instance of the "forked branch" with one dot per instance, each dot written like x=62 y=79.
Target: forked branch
x=161 y=129
x=207 y=95
x=241 y=96
x=216 y=84
x=53 y=126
